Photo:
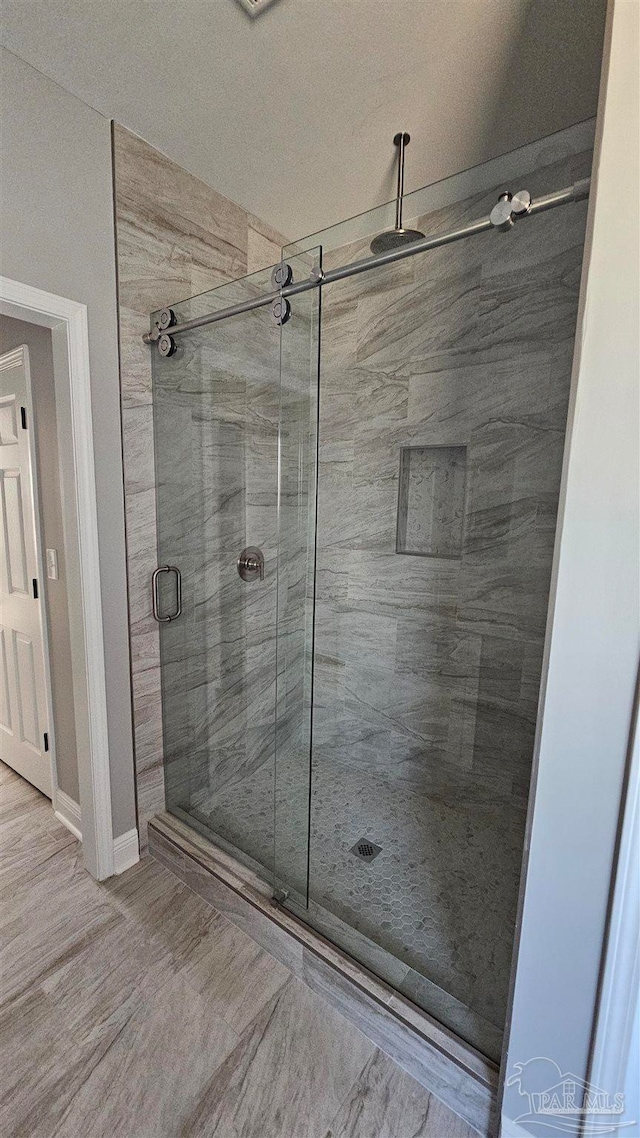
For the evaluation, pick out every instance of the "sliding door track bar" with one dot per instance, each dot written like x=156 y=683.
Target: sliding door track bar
x=509 y=209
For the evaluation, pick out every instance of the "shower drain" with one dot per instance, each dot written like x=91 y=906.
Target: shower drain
x=365 y=850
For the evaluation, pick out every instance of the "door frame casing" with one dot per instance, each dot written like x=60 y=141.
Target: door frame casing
x=69 y=324
x=7 y=360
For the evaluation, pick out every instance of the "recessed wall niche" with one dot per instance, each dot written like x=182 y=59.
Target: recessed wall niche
x=431 y=501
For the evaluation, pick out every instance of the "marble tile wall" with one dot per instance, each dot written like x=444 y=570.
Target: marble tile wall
x=428 y=668
x=176 y=237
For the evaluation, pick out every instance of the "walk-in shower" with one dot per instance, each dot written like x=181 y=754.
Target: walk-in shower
x=358 y=462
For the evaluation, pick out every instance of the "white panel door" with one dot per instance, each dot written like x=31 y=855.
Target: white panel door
x=24 y=727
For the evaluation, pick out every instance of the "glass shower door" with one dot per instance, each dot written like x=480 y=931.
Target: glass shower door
x=443 y=401
x=223 y=434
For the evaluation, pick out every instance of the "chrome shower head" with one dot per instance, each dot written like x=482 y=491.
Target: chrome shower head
x=394 y=238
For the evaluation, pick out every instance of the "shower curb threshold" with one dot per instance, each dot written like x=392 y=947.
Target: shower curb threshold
x=452 y=1070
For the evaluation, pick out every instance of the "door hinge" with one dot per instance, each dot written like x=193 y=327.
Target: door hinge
x=35 y=588
x=46 y=740
x=23 y=418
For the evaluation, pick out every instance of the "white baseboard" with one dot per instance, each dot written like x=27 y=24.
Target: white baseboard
x=126 y=851
x=126 y=848
x=68 y=812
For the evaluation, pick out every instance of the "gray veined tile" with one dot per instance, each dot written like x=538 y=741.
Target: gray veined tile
x=455 y=399
x=539 y=308
x=40 y=925
x=386 y=1102
x=378 y=396
x=236 y=977
x=368 y=521
x=208 y=861
x=8 y=780
x=148 y=179
x=209 y=1037
x=446 y=743
x=180 y=212
x=368 y=637
x=339 y=418
x=148 y=721
x=382 y=582
x=26 y=847
x=242 y=913
x=119 y=1097
x=150 y=784
x=468 y=1023
x=380 y=962
x=135 y=358
x=30 y=833
x=177 y=237
x=145 y=663
x=152 y=269
x=339 y=323
x=380 y=280
x=96 y=989
x=30 y=840
x=423 y=1062
x=154 y=901
x=435 y=647
x=137 y=441
x=453 y=215
x=287 y=1077
x=169 y=855
x=417 y=323
x=141 y=523
x=42 y=1067
x=500 y=669
x=262 y=251
x=18 y=803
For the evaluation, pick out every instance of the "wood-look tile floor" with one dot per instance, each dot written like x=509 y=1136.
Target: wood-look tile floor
x=132 y=1009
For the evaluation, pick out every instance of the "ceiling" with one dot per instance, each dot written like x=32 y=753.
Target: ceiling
x=292 y=114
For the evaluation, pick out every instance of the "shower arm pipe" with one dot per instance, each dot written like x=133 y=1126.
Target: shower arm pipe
x=575 y=193
x=401 y=141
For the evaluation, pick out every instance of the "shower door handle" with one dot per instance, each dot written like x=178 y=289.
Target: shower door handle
x=155 y=601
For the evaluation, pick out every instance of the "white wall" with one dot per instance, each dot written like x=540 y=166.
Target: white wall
x=57 y=235
x=593 y=658
x=292 y=115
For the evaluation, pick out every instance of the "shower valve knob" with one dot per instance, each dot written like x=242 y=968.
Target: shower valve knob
x=251 y=564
